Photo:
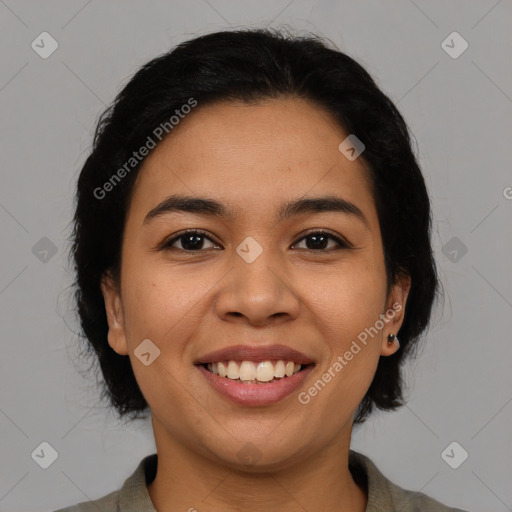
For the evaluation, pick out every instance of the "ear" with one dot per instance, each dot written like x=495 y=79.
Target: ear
x=115 y=318
x=395 y=312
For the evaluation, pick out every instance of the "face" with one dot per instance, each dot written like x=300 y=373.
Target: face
x=312 y=281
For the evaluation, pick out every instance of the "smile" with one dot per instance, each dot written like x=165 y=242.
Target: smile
x=254 y=372
x=253 y=392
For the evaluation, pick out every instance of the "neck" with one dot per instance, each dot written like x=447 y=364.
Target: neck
x=187 y=481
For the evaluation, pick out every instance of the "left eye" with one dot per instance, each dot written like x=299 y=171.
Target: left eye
x=193 y=241
x=320 y=239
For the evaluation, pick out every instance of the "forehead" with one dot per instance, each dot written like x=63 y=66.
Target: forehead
x=253 y=156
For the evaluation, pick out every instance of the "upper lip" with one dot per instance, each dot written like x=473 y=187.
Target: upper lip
x=255 y=353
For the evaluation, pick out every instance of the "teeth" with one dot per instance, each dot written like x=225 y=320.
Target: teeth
x=250 y=372
x=247 y=370
x=233 y=370
x=222 y=369
x=279 y=369
x=265 y=371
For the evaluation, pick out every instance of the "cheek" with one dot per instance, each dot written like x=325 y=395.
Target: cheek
x=345 y=316
x=347 y=305
x=346 y=299
x=165 y=309
x=164 y=305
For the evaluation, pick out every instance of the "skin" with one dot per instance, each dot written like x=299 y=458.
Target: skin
x=252 y=158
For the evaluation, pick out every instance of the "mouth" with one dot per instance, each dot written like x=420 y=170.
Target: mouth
x=255 y=376
x=254 y=372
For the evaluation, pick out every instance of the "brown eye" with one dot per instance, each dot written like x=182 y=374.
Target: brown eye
x=191 y=241
x=319 y=240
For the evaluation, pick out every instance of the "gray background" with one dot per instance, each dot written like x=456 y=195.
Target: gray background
x=460 y=111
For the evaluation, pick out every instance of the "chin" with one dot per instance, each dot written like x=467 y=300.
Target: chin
x=258 y=457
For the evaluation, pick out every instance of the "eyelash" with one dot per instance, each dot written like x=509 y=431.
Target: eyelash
x=167 y=245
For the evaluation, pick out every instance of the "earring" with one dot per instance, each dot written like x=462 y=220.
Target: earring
x=391 y=339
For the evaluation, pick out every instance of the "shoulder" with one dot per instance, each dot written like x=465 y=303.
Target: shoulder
x=109 y=503
x=384 y=495
x=132 y=497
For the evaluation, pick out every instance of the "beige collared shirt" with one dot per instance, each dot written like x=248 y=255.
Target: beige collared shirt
x=383 y=495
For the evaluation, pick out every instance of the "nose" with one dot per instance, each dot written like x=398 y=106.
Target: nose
x=258 y=293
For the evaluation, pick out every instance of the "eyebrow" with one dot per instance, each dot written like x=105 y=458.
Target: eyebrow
x=211 y=207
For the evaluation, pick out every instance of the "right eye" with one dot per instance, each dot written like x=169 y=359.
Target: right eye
x=191 y=241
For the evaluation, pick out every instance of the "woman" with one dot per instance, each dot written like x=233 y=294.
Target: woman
x=253 y=258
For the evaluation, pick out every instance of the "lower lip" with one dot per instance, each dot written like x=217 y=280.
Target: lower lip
x=255 y=394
